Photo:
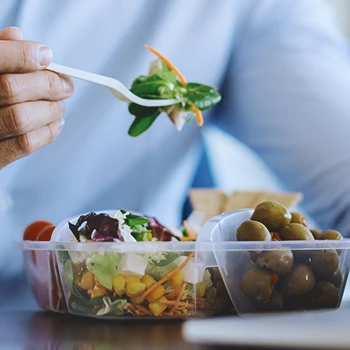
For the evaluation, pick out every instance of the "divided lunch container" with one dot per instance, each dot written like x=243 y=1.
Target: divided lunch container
x=182 y=279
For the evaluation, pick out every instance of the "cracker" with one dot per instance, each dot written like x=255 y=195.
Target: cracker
x=211 y=202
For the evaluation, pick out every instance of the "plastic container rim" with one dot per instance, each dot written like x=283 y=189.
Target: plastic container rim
x=146 y=247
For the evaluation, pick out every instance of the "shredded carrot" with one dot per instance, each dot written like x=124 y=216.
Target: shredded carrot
x=58 y=301
x=143 y=309
x=274 y=279
x=168 y=314
x=131 y=307
x=178 y=299
x=170 y=65
x=276 y=236
x=173 y=294
x=180 y=304
x=168 y=276
x=183 y=81
x=139 y=313
x=198 y=114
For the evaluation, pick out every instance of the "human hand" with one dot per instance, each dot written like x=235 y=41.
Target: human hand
x=31 y=97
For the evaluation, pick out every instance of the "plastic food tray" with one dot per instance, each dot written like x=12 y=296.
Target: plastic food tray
x=211 y=269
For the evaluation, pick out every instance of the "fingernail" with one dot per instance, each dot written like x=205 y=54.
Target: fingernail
x=45 y=56
x=67 y=85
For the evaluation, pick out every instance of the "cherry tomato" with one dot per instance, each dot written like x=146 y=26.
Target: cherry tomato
x=45 y=234
x=32 y=230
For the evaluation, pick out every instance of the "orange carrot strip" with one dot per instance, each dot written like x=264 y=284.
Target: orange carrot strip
x=168 y=276
x=198 y=113
x=276 y=236
x=58 y=301
x=274 y=279
x=143 y=309
x=139 y=313
x=178 y=299
x=131 y=307
x=173 y=294
x=181 y=77
x=170 y=65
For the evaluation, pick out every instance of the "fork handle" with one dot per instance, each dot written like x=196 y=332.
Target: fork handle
x=79 y=74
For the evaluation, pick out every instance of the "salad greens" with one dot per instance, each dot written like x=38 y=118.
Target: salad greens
x=104 y=266
x=119 y=227
x=163 y=83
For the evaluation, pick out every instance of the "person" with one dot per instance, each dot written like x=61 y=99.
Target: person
x=282 y=68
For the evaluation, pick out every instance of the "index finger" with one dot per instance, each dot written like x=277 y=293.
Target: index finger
x=23 y=56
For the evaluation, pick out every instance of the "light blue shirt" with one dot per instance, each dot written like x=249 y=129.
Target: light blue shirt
x=283 y=70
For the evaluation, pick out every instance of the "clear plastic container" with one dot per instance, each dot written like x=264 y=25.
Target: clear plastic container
x=43 y=274
x=143 y=279
x=181 y=279
x=317 y=279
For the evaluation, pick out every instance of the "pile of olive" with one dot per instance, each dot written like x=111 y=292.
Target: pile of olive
x=286 y=279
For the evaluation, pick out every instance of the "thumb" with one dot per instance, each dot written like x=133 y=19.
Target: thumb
x=11 y=33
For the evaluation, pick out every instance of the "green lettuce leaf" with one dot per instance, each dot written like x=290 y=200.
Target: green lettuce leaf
x=158 y=272
x=104 y=266
x=116 y=307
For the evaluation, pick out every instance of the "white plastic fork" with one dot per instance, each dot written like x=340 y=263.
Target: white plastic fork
x=118 y=89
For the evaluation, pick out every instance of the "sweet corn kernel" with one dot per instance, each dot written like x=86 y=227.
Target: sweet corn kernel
x=148 y=280
x=149 y=236
x=97 y=293
x=201 y=288
x=137 y=300
x=156 y=294
x=119 y=284
x=134 y=289
x=157 y=307
x=176 y=280
x=87 y=281
x=131 y=278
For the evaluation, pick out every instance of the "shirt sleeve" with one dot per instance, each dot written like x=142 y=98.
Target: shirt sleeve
x=287 y=96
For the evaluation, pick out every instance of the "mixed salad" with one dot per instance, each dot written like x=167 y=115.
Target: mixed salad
x=136 y=284
x=164 y=81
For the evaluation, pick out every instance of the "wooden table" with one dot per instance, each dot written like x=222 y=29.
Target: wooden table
x=48 y=331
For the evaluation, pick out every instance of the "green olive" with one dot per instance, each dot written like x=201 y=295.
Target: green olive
x=330 y=235
x=278 y=261
x=299 y=281
x=298 y=218
x=256 y=284
x=324 y=262
x=210 y=295
x=273 y=215
x=275 y=303
x=296 y=303
x=324 y=296
x=295 y=232
x=316 y=233
x=336 y=278
x=252 y=231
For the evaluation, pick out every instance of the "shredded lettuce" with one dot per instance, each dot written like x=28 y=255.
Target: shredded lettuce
x=189 y=292
x=115 y=307
x=104 y=266
x=163 y=259
x=158 y=272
